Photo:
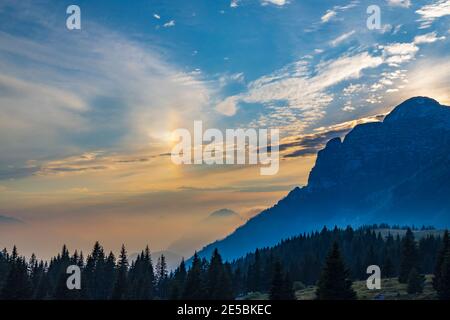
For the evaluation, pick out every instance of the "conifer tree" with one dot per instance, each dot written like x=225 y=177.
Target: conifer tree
x=334 y=282
x=120 y=286
x=214 y=273
x=162 y=277
x=141 y=277
x=254 y=274
x=17 y=285
x=415 y=282
x=218 y=281
x=109 y=276
x=194 y=288
x=408 y=257
x=178 y=280
x=281 y=286
x=93 y=277
x=441 y=280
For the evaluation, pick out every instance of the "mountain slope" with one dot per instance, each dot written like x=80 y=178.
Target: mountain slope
x=396 y=171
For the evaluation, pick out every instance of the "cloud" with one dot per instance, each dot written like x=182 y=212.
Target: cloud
x=275 y=2
x=398 y=53
x=234 y=3
x=292 y=108
x=228 y=106
x=428 y=38
x=226 y=79
x=399 y=3
x=169 y=24
x=310 y=144
x=342 y=38
x=56 y=99
x=331 y=14
x=348 y=108
x=328 y=16
x=352 y=89
x=429 y=13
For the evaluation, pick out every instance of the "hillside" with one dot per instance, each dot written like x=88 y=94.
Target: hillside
x=391 y=289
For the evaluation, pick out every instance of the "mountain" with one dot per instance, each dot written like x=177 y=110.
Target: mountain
x=224 y=214
x=396 y=171
x=4 y=220
x=216 y=225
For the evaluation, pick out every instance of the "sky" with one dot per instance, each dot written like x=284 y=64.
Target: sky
x=86 y=115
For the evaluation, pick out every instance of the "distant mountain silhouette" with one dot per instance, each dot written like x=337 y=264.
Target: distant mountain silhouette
x=224 y=214
x=396 y=171
x=4 y=220
x=216 y=225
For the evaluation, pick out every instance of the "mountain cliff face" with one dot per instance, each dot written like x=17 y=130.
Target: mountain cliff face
x=396 y=171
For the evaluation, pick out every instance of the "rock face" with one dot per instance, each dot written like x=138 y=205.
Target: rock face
x=396 y=171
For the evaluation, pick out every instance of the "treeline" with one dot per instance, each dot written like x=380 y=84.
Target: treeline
x=330 y=259
x=303 y=256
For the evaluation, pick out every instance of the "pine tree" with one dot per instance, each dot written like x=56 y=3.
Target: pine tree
x=141 y=277
x=194 y=288
x=120 y=286
x=61 y=292
x=162 y=277
x=178 y=280
x=441 y=280
x=415 y=282
x=444 y=287
x=254 y=281
x=444 y=250
x=334 y=282
x=109 y=270
x=17 y=285
x=281 y=286
x=277 y=283
x=94 y=283
x=218 y=279
x=409 y=256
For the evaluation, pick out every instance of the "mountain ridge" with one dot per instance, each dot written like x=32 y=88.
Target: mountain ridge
x=394 y=171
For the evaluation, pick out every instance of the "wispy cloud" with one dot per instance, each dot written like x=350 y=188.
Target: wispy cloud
x=427 y=38
x=169 y=24
x=399 y=3
x=42 y=115
x=342 y=38
x=295 y=109
x=331 y=14
x=310 y=144
x=429 y=13
x=275 y=2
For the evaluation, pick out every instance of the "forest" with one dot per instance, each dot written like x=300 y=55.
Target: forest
x=331 y=259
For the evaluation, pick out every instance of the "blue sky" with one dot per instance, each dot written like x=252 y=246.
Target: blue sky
x=86 y=115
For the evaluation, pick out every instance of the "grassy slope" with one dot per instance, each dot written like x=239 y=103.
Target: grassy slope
x=391 y=289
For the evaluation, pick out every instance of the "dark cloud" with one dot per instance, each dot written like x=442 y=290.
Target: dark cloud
x=7 y=173
x=310 y=144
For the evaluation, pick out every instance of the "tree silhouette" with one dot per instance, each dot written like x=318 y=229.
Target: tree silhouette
x=409 y=256
x=334 y=282
x=121 y=284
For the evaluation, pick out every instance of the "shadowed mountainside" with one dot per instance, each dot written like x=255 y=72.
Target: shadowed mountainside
x=396 y=171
